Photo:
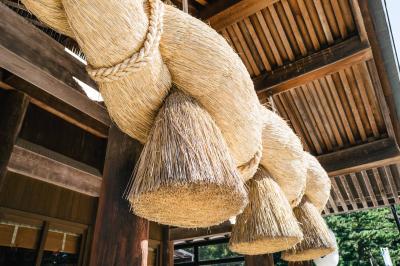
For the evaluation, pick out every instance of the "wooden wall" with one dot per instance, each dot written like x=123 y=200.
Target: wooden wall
x=29 y=195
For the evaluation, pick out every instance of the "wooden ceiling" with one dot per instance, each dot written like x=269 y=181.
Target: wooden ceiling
x=316 y=62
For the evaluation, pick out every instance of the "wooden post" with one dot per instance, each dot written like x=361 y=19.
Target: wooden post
x=42 y=242
x=167 y=247
x=120 y=238
x=260 y=260
x=13 y=105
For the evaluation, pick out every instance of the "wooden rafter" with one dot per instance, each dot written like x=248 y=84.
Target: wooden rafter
x=357 y=158
x=238 y=11
x=322 y=63
x=40 y=163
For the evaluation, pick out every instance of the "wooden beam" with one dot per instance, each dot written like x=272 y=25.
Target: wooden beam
x=59 y=108
x=237 y=12
x=40 y=163
x=259 y=260
x=13 y=106
x=48 y=67
x=380 y=39
x=120 y=238
x=187 y=234
x=216 y=7
x=322 y=63
x=355 y=159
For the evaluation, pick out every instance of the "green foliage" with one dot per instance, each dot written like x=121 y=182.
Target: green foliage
x=360 y=236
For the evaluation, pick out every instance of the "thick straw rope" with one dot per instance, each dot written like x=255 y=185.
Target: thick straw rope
x=248 y=169
x=142 y=57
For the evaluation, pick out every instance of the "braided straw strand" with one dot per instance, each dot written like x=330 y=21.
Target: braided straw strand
x=142 y=57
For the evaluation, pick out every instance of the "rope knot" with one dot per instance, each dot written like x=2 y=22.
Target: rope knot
x=140 y=58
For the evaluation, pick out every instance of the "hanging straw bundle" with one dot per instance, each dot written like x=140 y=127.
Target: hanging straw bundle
x=267 y=224
x=186 y=168
x=200 y=61
x=283 y=156
x=317 y=240
x=318 y=182
x=135 y=68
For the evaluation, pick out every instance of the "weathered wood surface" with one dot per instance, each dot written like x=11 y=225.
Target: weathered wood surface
x=361 y=157
x=236 y=12
x=120 y=238
x=13 y=106
x=48 y=67
x=322 y=63
x=54 y=105
x=167 y=245
x=42 y=164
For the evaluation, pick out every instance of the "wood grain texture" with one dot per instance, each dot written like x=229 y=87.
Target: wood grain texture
x=237 y=12
x=48 y=67
x=13 y=106
x=120 y=238
x=40 y=163
x=317 y=65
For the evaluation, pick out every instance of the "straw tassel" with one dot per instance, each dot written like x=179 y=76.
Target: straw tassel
x=317 y=242
x=267 y=224
x=185 y=175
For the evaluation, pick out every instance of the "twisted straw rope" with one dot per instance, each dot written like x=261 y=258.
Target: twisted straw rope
x=254 y=161
x=139 y=59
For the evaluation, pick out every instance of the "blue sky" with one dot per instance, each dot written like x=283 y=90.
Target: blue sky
x=393 y=7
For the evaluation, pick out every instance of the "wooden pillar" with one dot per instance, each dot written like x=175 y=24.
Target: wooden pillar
x=167 y=248
x=120 y=238
x=260 y=260
x=13 y=106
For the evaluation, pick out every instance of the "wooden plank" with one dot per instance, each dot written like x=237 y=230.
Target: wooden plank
x=57 y=107
x=259 y=260
x=380 y=185
x=295 y=28
x=370 y=190
x=40 y=163
x=13 y=106
x=359 y=20
x=120 y=238
x=237 y=12
x=337 y=104
x=324 y=21
x=317 y=65
x=361 y=157
x=309 y=24
x=339 y=18
x=269 y=38
x=358 y=189
x=354 y=107
x=281 y=32
x=346 y=186
x=47 y=67
x=392 y=184
x=257 y=43
x=188 y=234
x=339 y=195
